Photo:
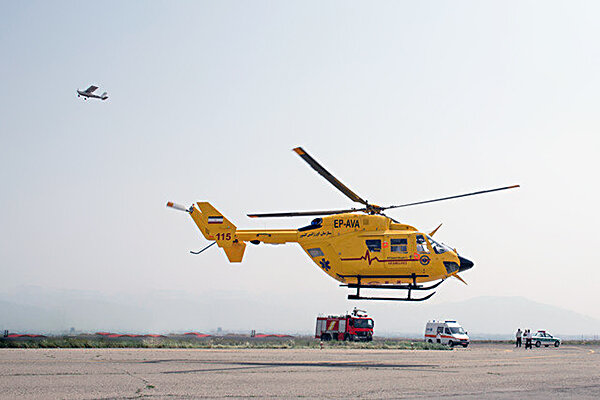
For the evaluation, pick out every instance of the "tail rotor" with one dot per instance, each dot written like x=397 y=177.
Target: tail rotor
x=179 y=207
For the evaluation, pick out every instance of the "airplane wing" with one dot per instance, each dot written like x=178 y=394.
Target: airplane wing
x=91 y=89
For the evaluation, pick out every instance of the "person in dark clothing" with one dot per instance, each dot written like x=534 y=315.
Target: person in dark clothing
x=519 y=334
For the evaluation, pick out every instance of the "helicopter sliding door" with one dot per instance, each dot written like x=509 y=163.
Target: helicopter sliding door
x=396 y=250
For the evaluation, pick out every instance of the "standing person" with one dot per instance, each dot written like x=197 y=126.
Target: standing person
x=438 y=337
x=518 y=334
x=528 y=339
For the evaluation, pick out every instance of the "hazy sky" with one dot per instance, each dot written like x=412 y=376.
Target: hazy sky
x=402 y=101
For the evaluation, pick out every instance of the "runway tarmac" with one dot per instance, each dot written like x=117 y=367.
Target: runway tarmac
x=483 y=370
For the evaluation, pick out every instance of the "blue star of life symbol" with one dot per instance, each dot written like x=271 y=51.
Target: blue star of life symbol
x=325 y=264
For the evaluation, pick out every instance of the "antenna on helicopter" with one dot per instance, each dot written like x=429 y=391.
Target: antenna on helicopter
x=198 y=252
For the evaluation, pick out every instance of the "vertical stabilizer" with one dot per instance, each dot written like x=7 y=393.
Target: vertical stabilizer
x=214 y=226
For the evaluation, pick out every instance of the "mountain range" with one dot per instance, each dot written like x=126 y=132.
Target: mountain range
x=38 y=310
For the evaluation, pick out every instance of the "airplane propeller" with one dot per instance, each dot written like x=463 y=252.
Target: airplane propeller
x=368 y=208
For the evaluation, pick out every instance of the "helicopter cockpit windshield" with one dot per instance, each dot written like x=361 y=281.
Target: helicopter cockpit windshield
x=439 y=248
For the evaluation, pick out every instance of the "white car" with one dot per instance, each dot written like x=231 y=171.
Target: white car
x=446 y=332
x=544 y=338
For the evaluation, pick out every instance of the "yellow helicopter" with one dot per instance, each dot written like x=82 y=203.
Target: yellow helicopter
x=360 y=247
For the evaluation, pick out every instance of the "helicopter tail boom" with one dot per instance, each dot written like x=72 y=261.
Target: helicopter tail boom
x=214 y=226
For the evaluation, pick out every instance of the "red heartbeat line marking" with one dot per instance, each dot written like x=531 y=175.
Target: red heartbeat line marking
x=367 y=257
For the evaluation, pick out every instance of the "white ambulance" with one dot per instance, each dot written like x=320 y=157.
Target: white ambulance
x=446 y=332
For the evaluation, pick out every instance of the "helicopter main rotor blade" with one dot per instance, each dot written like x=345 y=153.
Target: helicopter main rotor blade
x=451 y=197
x=330 y=178
x=305 y=213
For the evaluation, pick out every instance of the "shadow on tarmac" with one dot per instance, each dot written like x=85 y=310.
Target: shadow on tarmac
x=241 y=365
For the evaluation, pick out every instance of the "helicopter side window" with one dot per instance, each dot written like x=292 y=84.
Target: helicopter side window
x=374 y=245
x=316 y=252
x=399 y=245
x=422 y=244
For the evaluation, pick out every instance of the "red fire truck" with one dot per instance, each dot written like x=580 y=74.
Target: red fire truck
x=355 y=327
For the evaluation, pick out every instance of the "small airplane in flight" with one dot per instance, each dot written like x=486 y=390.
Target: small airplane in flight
x=89 y=92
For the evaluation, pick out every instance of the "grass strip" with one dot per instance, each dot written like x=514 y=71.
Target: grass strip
x=212 y=343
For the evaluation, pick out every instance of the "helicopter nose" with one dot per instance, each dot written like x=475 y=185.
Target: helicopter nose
x=465 y=264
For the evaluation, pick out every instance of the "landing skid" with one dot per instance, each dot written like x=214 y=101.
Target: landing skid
x=409 y=287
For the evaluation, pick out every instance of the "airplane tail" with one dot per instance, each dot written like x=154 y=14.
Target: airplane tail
x=214 y=226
